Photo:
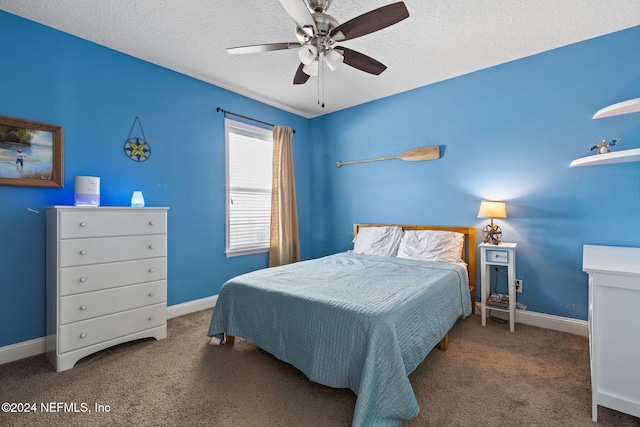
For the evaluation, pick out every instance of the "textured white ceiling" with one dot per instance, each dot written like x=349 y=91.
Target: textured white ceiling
x=441 y=39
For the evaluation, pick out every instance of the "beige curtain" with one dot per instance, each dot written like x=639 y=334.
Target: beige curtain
x=285 y=243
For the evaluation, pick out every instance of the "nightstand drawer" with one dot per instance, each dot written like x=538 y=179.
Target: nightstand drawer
x=494 y=256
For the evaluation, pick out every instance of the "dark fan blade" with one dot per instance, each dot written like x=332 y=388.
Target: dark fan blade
x=369 y=22
x=301 y=77
x=257 y=48
x=298 y=11
x=361 y=61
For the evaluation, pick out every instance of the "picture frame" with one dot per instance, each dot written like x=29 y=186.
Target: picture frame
x=31 y=153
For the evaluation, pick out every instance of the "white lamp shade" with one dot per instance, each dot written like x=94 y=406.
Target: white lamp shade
x=334 y=59
x=311 y=69
x=490 y=209
x=307 y=54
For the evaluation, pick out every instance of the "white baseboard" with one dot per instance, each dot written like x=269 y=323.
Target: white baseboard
x=13 y=352
x=547 y=321
x=191 y=306
x=23 y=349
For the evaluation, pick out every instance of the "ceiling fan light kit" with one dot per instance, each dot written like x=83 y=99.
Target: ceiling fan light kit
x=318 y=33
x=307 y=54
x=311 y=69
x=333 y=59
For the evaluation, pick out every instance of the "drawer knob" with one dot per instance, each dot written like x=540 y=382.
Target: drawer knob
x=83 y=279
x=497 y=256
x=151 y=246
x=83 y=335
x=152 y=223
x=151 y=270
x=83 y=252
x=84 y=307
x=83 y=224
x=151 y=294
x=151 y=317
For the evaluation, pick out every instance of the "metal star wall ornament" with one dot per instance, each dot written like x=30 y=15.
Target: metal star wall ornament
x=136 y=148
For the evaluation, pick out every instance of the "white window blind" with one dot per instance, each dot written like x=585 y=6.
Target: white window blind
x=249 y=163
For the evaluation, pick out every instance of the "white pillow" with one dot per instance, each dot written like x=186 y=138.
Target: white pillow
x=431 y=245
x=381 y=241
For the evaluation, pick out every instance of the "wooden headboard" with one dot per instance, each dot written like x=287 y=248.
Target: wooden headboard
x=468 y=248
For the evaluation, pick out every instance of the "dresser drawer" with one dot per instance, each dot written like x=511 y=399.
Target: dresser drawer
x=80 y=223
x=89 y=278
x=111 y=249
x=494 y=256
x=74 y=308
x=81 y=334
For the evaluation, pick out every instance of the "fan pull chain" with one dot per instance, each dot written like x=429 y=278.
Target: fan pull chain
x=323 y=86
x=321 y=80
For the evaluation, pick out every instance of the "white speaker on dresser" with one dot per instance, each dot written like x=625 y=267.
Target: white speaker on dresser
x=87 y=190
x=106 y=279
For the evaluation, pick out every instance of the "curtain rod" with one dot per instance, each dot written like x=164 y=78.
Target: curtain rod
x=220 y=110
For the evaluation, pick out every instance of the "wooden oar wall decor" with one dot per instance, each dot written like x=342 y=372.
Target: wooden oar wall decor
x=417 y=154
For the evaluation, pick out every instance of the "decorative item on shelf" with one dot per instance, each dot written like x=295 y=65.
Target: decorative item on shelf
x=604 y=145
x=490 y=209
x=136 y=148
x=87 y=191
x=417 y=154
x=137 y=200
x=607 y=156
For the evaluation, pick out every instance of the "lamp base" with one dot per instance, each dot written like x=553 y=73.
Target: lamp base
x=492 y=234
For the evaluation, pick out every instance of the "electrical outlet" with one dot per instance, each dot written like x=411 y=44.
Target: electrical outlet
x=518 y=285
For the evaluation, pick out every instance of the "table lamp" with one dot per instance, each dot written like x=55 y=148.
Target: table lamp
x=490 y=209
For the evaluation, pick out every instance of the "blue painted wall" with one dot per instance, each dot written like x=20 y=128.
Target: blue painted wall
x=507 y=133
x=95 y=94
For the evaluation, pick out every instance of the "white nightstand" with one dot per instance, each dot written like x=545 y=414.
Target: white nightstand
x=503 y=255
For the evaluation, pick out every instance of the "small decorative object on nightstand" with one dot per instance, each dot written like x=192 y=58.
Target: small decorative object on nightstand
x=488 y=209
x=503 y=254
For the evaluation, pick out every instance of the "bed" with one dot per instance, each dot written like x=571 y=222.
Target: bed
x=360 y=319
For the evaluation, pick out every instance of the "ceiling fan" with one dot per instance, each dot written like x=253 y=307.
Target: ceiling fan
x=318 y=34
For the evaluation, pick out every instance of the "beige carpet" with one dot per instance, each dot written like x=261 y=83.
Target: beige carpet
x=488 y=377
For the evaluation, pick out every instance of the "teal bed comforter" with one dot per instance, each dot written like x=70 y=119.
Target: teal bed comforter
x=349 y=321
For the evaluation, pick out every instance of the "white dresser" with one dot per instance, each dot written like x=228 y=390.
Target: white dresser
x=106 y=279
x=614 y=330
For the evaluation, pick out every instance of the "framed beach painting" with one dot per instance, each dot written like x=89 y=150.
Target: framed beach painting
x=30 y=153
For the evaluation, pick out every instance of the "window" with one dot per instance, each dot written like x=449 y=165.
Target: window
x=249 y=162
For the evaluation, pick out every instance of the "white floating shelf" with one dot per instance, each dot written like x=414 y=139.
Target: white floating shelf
x=630 y=106
x=623 y=156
